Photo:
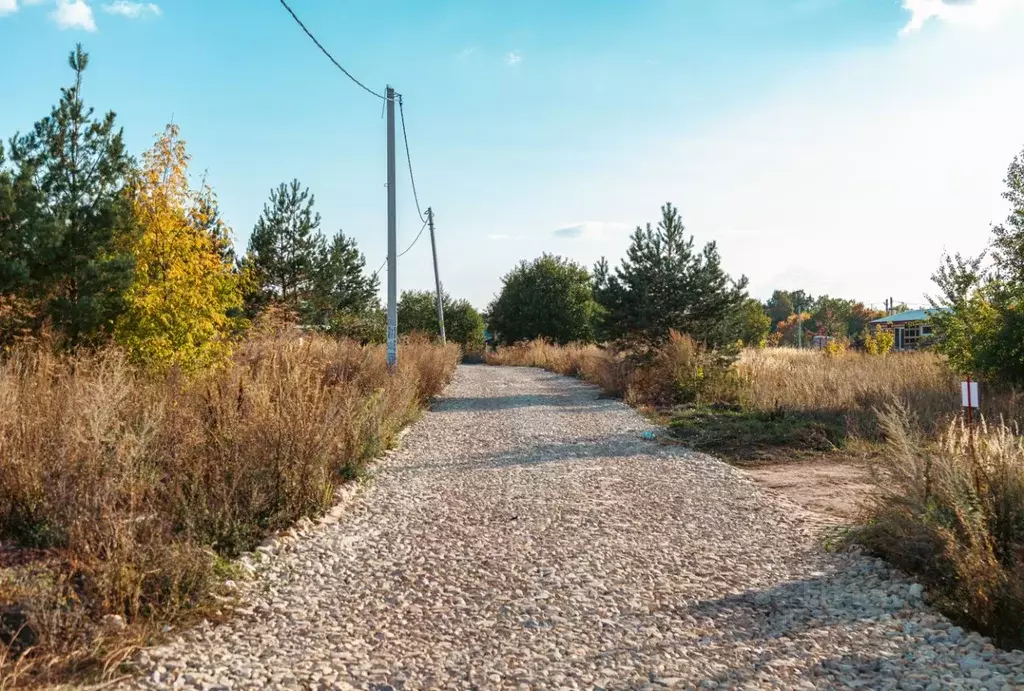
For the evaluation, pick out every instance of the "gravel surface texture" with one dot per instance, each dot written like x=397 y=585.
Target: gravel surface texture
x=527 y=535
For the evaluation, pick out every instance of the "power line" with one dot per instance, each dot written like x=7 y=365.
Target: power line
x=417 y=239
x=329 y=56
x=412 y=178
x=406 y=251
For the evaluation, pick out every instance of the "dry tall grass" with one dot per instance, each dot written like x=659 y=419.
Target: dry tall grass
x=126 y=484
x=858 y=384
x=851 y=384
x=952 y=512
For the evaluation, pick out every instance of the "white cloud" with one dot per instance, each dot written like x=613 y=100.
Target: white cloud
x=467 y=52
x=8 y=6
x=590 y=230
x=74 y=14
x=513 y=58
x=850 y=178
x=978 y=13
x=132 y=10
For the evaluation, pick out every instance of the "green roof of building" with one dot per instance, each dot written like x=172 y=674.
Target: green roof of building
x=909 y=316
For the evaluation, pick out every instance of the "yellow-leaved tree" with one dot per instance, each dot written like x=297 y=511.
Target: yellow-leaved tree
x=180 y=305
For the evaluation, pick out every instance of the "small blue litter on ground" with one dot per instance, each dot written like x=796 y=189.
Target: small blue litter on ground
x=648 y=435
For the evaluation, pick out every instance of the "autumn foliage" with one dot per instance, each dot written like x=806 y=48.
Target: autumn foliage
x=178 y=304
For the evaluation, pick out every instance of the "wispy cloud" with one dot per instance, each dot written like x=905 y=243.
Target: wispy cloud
x=11 y=6
x=982 y=13
x=132 y=10
x=498 y=236
x=74 y=14
x=513 y=58
x=465 y=53
x=589 y=230
x=569 y=232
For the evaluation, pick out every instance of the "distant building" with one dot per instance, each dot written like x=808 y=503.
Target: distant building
x=909 y=328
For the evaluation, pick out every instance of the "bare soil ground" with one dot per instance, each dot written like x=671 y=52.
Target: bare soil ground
x=833 y=488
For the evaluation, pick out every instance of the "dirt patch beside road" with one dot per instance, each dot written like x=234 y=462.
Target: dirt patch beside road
x=835 y=489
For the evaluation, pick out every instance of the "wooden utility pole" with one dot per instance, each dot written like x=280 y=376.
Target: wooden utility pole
x=437 y=276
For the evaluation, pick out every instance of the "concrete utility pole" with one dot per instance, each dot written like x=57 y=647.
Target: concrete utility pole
x=437 y=276
x=392 y=237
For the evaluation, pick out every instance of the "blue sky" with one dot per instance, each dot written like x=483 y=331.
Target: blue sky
x=833 y=145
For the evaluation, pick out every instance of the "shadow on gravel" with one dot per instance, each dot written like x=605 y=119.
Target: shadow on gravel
x=852 y=671
x=564 y=403
x=796 y=607
x=611 y=446
x=542 y=452
x=771 y=621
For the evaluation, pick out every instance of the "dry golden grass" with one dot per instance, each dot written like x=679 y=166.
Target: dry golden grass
x=127 y=484
x=952 y=513
x=857 y=385
x=851 y=384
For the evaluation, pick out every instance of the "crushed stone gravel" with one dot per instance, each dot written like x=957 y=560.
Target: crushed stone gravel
x=528 y=535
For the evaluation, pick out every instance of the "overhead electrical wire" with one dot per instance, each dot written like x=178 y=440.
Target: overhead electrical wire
x=417 y=239
x=401 y=110
x=406 y=250
x=325 y=52
x=408 y=159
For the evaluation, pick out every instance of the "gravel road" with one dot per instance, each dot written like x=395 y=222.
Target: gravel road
x=528 y=536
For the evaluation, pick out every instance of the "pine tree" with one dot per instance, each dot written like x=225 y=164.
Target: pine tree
x=67 y=246
x=284 y=248
x=184 y=287
x=665 y=284
x=340 y=285
x=17 y=313
x=14 y=266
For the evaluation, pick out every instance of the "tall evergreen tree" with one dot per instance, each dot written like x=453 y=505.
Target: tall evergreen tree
x=340 y=284
x=284 y=248
x=13 y=258
x=66 y=242
x=663 y=284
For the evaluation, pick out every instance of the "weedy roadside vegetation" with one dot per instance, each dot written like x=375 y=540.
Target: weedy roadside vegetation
x=121 y=489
